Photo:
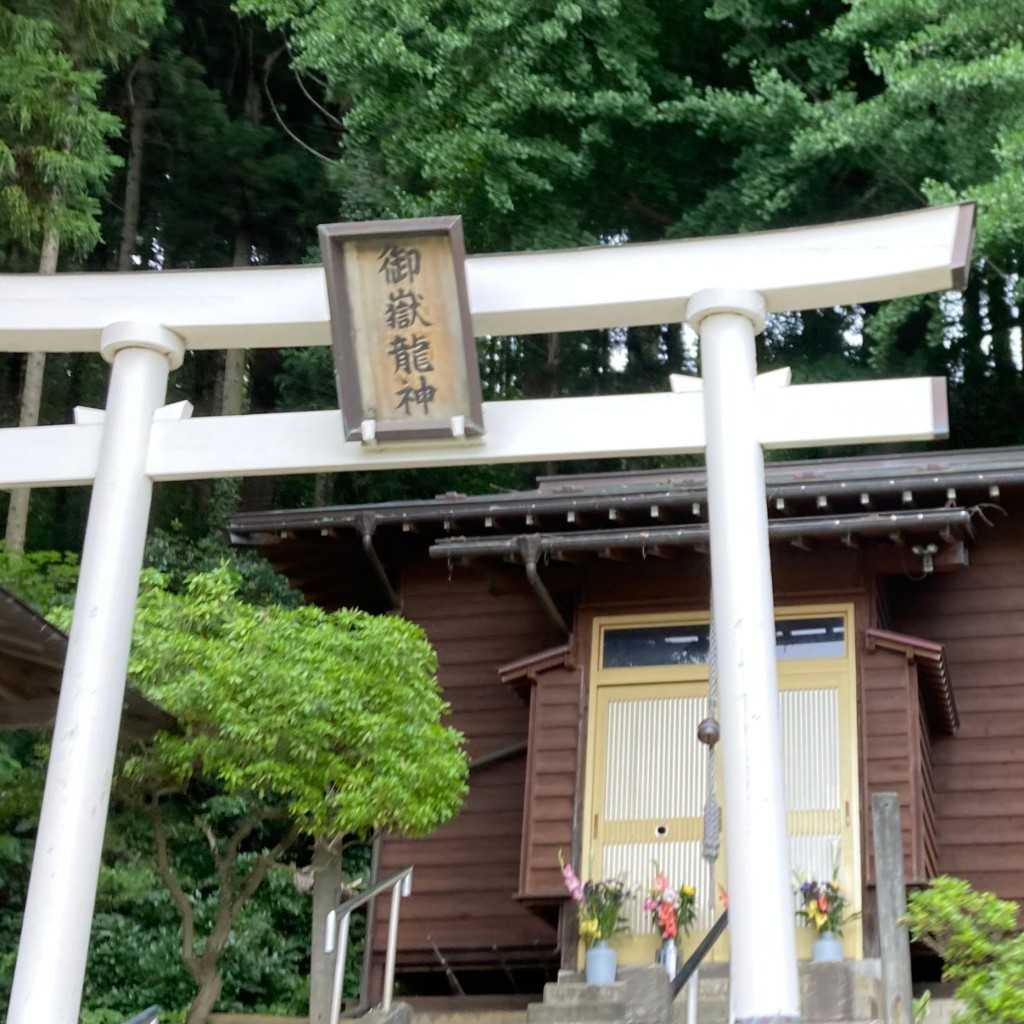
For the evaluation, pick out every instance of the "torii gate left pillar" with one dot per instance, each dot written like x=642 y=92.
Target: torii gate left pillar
x=69 y=840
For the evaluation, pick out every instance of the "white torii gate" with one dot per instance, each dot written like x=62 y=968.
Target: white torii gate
x=143 y=323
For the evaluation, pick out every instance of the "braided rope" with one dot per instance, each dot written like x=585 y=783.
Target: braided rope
x=712 y=812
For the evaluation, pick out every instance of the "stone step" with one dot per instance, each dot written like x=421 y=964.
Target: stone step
x=586 y=1012
x=562 y=993
x=470 y=1017
x=941 y=1010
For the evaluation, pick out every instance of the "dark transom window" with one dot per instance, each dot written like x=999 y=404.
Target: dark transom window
x=795 y=639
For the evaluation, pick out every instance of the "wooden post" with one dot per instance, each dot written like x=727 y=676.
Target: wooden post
x=891 y=893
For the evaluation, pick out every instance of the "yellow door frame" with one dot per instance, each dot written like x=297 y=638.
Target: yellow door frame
x=796 y=674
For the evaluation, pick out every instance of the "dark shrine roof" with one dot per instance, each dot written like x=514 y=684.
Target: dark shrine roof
x=32 y=656
x=899 y=501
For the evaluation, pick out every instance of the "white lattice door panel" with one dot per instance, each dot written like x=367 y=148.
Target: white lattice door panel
x=809 y=720
x=651 y=787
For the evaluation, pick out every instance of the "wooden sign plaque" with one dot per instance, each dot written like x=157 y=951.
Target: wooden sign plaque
x=404 y=351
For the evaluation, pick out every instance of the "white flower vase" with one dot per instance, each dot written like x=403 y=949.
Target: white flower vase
x=827 y=948
x=600 y=963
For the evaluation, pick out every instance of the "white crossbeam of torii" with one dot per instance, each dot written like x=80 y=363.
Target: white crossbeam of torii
x=143 y=323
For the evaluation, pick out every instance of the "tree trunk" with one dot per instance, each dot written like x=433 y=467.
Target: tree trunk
x=31 y=401
x=321 y=489
x=551 y=368
x=230 y=399
x=139 y=95
x=205 y=970
x=210 y=983
x=326 y=893
x=233 y=387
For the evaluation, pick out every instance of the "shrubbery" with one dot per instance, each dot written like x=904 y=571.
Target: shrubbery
x=977 y=936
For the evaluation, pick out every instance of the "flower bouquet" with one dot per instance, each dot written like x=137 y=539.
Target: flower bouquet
x=824 y=906
x=598 y=905
x=672 y=910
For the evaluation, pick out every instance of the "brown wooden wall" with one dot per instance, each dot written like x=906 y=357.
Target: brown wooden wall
x=896 y=758
x=467 y=873
x=979 y=773
x=657 y=585
x=969 y=822
x=551 y=781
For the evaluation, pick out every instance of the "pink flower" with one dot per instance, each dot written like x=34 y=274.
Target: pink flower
x=572 y=883
x=660 y=883
x=650 y=904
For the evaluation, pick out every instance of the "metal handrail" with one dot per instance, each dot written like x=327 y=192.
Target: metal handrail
x=147 y=1016
x=336 y=935
x=689 y=968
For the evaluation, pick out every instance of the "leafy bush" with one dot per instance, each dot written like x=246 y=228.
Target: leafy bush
x=976 y=935
x=42 y=579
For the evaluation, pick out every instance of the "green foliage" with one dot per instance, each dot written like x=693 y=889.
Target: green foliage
x=179 y=557
x=55 y=151
x=222 y=181
x=499 y=110
x=977 y=936
x=135 y=947
x=22 y=768
x=338 y=714
x=292 y=721
x=921 y=1005
x=42 y=579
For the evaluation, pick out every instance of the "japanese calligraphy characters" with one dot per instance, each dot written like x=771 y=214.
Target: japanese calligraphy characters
x=407 y=340
x=410 y=352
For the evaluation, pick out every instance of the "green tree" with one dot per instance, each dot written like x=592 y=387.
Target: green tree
x=22 y=770
x=849 y=110
x=294 y=723
x=508 y=111
x=544 y=123
x=977 y=936
x=42 y=579
x=54 y=144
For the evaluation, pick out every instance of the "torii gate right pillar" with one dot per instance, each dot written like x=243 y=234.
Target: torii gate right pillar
x=763 y=971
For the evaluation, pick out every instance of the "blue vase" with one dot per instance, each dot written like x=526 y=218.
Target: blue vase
x=600 y=963
x=828 y=948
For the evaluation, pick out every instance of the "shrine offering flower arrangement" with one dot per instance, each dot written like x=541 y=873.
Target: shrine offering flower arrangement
x=598 y=905
x=824 y=906
x=673 y=910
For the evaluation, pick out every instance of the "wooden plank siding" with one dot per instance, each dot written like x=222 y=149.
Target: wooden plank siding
x=978 y=775
x=962 y=796
x=466 y=874
x=930 y=850
x=895 y=758
x=551 y=791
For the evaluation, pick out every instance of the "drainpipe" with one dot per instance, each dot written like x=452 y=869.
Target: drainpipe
x=529 y=550
x=367 y=525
